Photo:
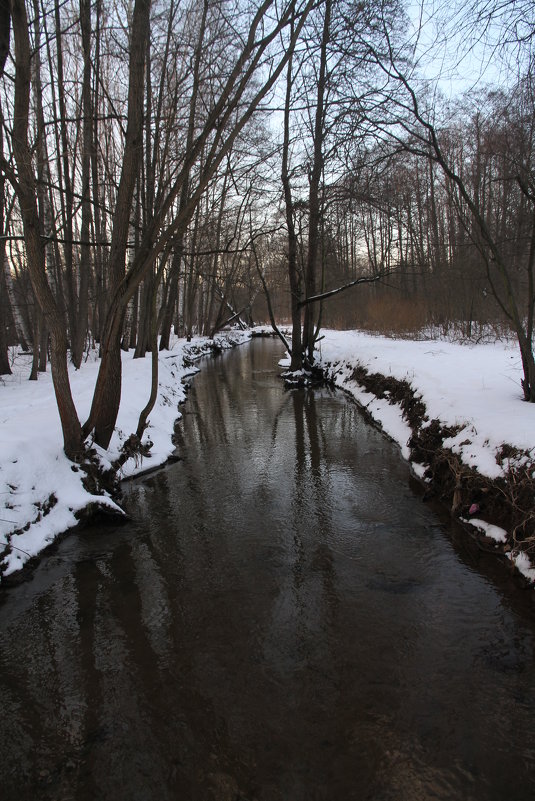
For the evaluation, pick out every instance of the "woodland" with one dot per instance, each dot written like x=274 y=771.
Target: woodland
x=179 y=166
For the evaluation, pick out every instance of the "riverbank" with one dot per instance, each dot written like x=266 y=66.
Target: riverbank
x=455 y=410
x=457 y=413
x=42 y=493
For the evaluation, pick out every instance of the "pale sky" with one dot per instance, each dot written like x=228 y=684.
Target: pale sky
x=452 y=53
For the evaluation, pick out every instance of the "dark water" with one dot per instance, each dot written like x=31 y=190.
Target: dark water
x=286 y=620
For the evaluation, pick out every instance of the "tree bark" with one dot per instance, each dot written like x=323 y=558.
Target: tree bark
x=35 y=253
x=78 y=335
x=314 y=191
x=5 y=304
x=107 y=396
x=172 y=296
x=294 y=277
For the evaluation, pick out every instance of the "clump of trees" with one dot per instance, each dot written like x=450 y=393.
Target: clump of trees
x=120 y=120
x=166 y=164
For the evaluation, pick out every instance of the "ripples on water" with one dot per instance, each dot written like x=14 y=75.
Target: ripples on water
x=284 y=620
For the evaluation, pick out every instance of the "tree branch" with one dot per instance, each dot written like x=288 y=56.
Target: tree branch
x=331 y=292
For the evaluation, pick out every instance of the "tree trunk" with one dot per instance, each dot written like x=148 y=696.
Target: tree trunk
x=34 y=372
x=43 y=345
x=107 y=396
x=172 y=296
x=5 y=367
x=78 y=336
x=296 y=362
x=35 y=254
x=64 y=171
x=5 y=305
x=134 y=321
x=314 y=187
x=144 y=337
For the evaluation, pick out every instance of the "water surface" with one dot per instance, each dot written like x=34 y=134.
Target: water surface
x=284 y=620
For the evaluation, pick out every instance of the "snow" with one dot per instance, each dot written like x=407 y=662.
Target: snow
x=40 y=489
x=494 y=532
x=475 y=387
x=382 y=411
x=522 y=563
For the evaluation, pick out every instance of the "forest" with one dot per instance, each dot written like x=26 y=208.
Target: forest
x=267 y=398
x=179 y=166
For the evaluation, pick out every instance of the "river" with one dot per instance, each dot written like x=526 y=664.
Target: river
x=284 y=619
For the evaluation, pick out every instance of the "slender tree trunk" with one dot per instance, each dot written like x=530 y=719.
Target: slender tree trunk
x=296 y=362
x=5 y=305
x=64 y=170
x=172 y=295
x=314 y=191
x=107 y=394
x=34 y=372
x=134 y=320
x=35 y=254
x=5 y=366
x=144 y=416
x=44 y=197
x=144 y=337
x=5 y=30
x=99 y=259
x=5 y=314
x=43 y=345
x=79 y=334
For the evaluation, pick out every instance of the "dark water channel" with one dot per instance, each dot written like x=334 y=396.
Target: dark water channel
x=285 y=620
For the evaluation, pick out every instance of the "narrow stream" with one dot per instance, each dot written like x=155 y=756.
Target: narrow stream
x=284 y=620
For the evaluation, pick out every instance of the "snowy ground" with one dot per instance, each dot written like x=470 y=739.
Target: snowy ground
x=476 y=387
x=40 y=489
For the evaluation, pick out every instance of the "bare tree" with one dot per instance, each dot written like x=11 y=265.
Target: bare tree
x=224 y=122
x=424 y=139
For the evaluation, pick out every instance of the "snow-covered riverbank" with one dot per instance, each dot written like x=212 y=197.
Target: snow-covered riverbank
x=41 y=491
x=473 y=389
x=470 y=393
